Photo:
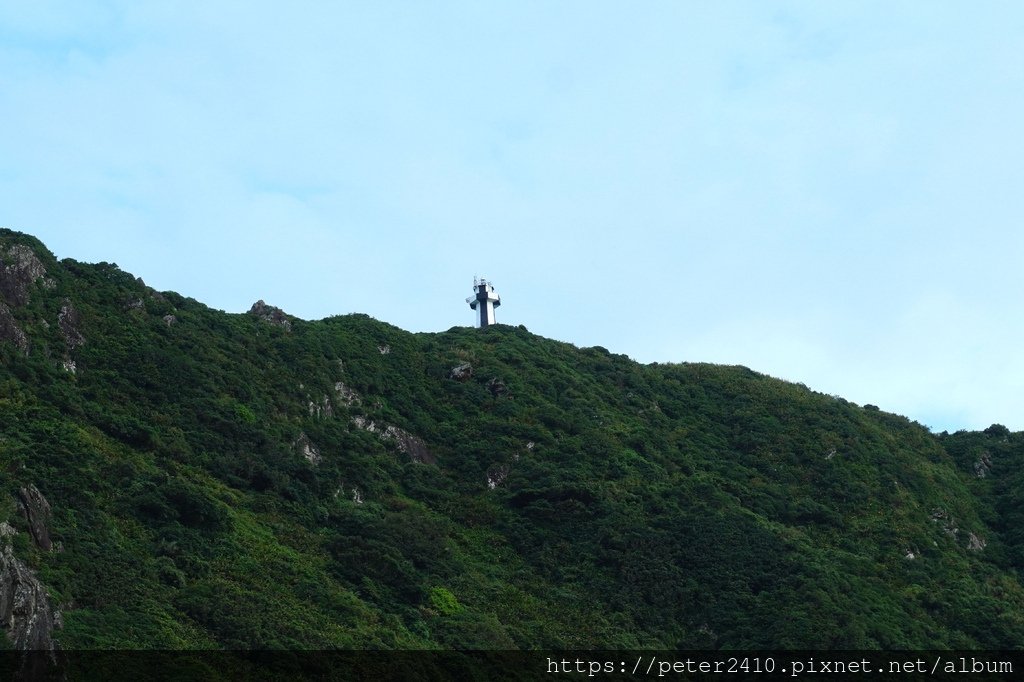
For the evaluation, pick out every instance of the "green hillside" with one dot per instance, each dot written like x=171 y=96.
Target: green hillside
x=259 y=481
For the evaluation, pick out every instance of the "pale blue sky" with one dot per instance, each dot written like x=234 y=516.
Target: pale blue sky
x=825 y=192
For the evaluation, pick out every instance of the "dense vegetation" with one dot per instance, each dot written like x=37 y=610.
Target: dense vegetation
x=230 y=480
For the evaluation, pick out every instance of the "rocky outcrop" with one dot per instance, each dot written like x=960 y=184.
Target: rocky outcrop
x=405 y=442
x=26 y=612
x=36 y=511
x=69 y=321
x=365 y=424
x=461 y=372
x=983 y=466
x=410 y=445
x=10 y=331
x=346 y=395
x=320 y=409
x=20 y=270
x=271 y=314
x=975 y=543
x=307 y=449
x=170 y=320
x=947 y=522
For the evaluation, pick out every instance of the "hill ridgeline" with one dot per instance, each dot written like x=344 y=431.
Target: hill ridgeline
x=173 y=476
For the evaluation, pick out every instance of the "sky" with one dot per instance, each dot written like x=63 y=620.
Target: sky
x=828 y=193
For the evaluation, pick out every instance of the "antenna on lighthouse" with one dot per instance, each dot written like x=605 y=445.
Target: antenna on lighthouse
x=484 y=300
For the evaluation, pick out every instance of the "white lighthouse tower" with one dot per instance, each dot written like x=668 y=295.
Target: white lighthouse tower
x=484 y=300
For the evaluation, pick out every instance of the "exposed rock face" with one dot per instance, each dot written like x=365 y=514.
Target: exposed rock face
x=26 y=612
x=37 y=512
x=949 y=526
x=410 y=445
x=365 y=424
x=10 y=331
x=321 y=409
x=384 y=350
x=404 y=441
x=975 y=544
x=21 y=270
x=983 y=466
x=346 y=395
x=29 y=615
x=170 y=320
x=461 y=372
x=69 y=320
x=269 y=313
x=307 y=449
x=25 y=609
